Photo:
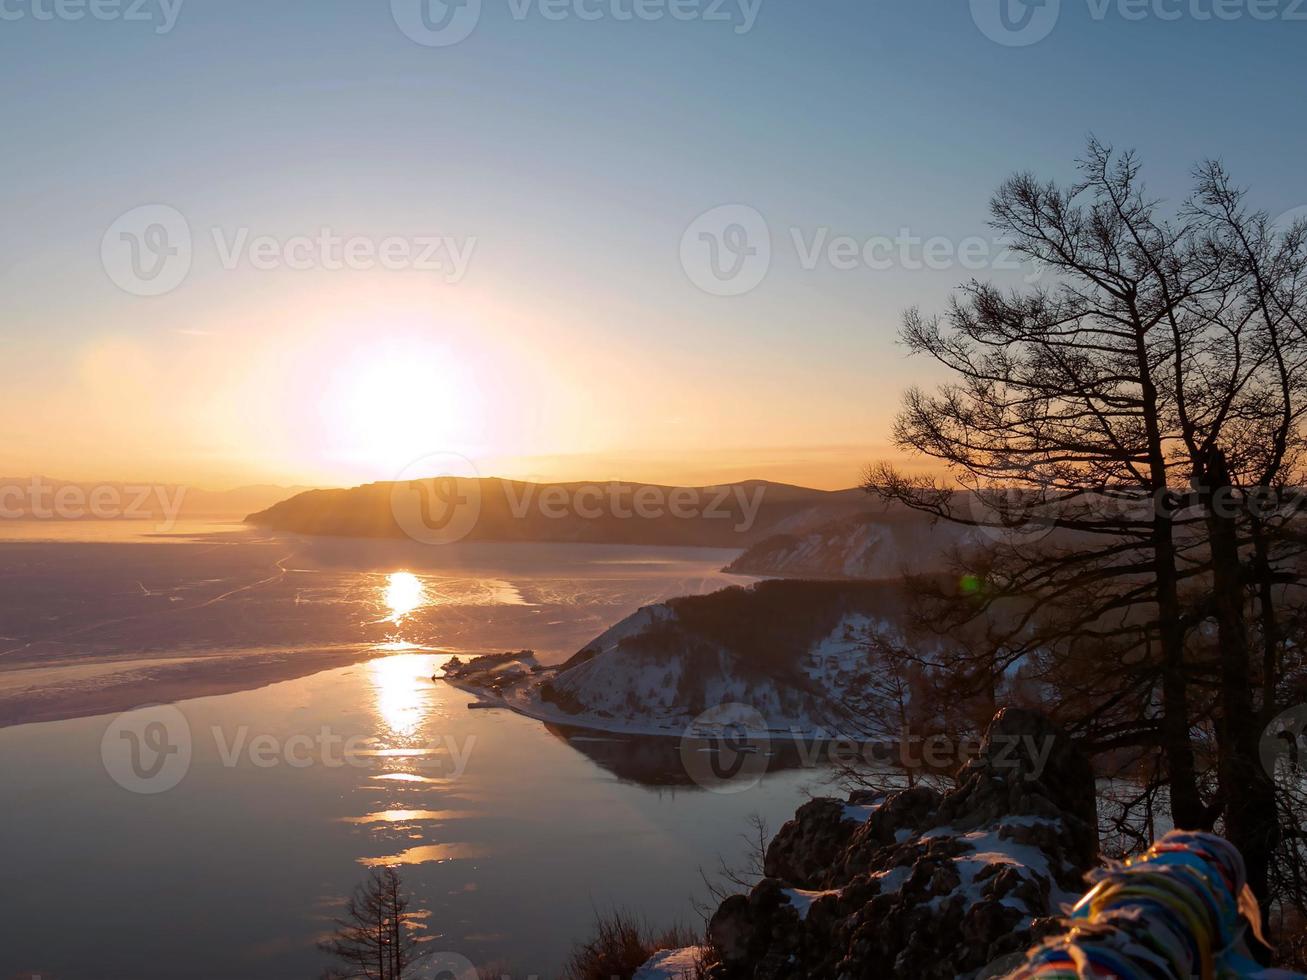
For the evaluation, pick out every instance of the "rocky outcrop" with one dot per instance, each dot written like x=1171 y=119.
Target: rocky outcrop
x=922 y=884
x=492 y=672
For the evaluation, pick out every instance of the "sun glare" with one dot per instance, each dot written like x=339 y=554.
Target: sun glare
x=404 y=400
x=404 y=592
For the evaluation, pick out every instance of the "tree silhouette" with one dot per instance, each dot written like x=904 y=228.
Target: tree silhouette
x=375 y=939
x=1124 y=437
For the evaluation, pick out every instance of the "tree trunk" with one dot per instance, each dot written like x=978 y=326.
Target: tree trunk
x=1186 y=804
x=1187 y=808
x=1270 y=625
x=397 y=954
x=1246 y=788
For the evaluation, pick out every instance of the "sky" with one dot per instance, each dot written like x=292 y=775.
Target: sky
x=315 y=241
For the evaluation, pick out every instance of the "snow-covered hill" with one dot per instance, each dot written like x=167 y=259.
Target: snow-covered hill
x=864 y=546
x=670 y=677
x=802 y=656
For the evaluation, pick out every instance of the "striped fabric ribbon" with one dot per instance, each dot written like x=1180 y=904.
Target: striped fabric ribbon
x=1179 y=911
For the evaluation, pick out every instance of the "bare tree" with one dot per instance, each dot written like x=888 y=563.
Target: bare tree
x=1115 y=434
x=730 y=879
x=376 y=938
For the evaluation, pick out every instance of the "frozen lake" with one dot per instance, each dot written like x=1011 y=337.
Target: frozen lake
x=510 y=835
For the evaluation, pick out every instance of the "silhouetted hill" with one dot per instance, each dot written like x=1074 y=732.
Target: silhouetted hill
x=492 y=509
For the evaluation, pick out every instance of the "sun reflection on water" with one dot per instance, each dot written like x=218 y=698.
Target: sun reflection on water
x=404 y=592
x=402 y=699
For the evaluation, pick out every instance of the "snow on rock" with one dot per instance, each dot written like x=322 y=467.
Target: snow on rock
x=801 y=899
x=928 y=885
x=672 y=964
x=861 y=812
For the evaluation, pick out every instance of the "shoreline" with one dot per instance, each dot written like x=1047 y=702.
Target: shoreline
x=81 y=690
x=537 y=711
x=530 y=708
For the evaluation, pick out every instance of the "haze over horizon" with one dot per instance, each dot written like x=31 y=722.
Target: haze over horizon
x=818 y=468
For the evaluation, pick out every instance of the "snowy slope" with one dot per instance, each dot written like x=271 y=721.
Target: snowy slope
x=866 y=546
x=662 y=667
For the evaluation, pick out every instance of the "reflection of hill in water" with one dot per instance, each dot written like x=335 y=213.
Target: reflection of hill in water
x=656 y=761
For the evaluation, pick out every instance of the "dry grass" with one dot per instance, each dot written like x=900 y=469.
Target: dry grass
x=621 y=944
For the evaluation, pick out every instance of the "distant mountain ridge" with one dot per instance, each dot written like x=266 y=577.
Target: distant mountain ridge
x=733 y=515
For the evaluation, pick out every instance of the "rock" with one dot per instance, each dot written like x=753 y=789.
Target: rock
x=927 y=885
x=808 y=845
x=730 y=931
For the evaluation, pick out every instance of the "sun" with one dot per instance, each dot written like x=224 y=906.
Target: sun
x=399 y=401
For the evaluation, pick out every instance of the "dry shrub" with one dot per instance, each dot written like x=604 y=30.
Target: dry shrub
x=621 y=944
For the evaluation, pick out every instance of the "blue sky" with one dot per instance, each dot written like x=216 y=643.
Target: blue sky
x=575 y=153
